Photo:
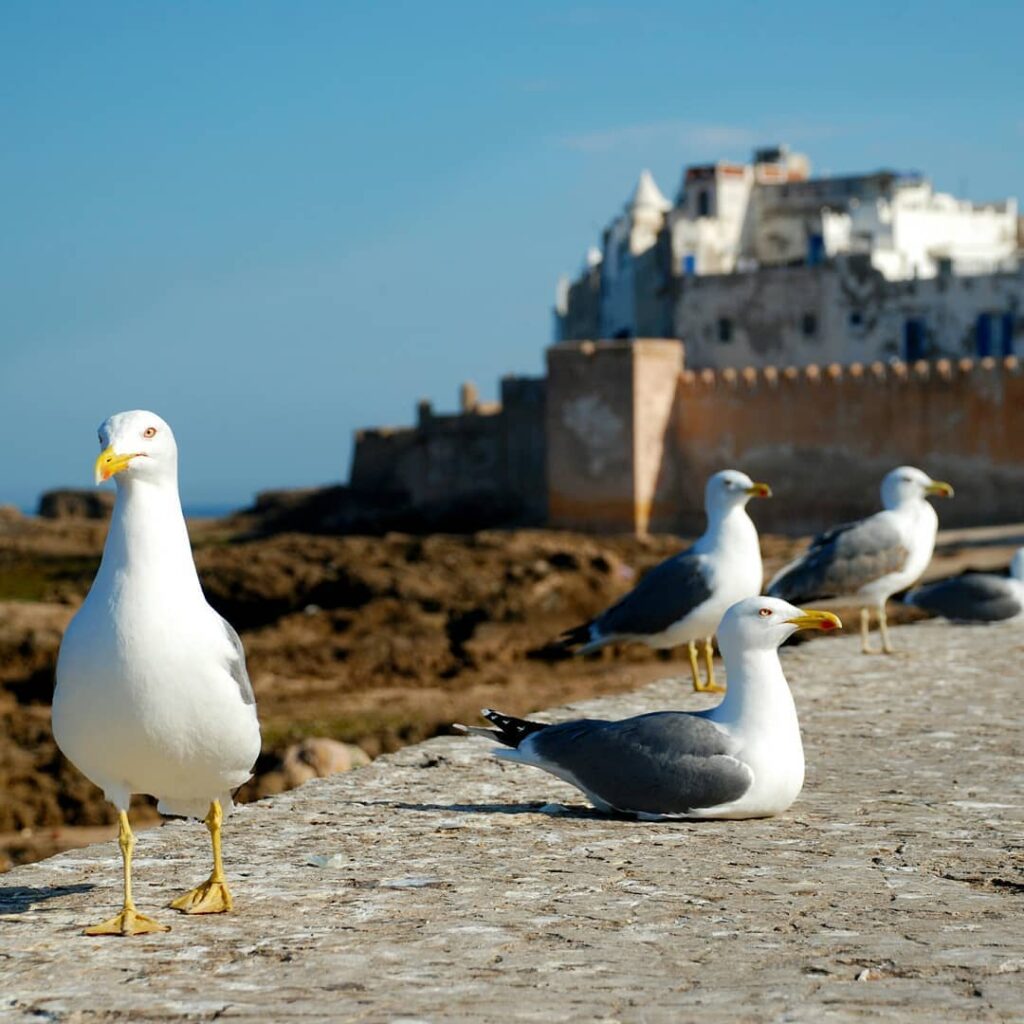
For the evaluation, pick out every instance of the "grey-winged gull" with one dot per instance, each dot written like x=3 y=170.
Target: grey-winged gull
x=682 y=599
x=742 y=758
x=152 y=691
x=974 y=596
x=872 y=558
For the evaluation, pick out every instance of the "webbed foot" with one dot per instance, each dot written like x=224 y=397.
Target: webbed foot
x=128 y=922
x=209 y=898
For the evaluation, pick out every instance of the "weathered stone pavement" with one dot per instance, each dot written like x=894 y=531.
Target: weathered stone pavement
x=454 y=891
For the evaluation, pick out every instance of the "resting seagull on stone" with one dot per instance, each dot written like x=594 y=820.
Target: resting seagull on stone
x=974 y=596
x=152 y=692
x=873 y=558
x=742 y=758
x=683 y=599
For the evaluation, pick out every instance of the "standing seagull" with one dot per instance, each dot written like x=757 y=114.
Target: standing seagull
x=740 y=759
x=684 y=598
x=974 y=596
x=871 y=558
x=152 y=691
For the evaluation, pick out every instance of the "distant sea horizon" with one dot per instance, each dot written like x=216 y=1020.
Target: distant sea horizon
x=199 y=510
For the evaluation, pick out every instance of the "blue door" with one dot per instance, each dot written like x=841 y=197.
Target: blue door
x=983 y=335
x=1007 y=325
x=915 y=343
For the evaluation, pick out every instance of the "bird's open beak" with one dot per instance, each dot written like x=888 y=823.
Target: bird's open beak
x=109 y=463
x=940 y=489
x=810 y=619
x=759 y=491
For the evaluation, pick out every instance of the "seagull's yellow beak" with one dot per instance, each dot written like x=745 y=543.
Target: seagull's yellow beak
x=109 y=463
x=759 y=491
x=940 y=489
x=810 y=619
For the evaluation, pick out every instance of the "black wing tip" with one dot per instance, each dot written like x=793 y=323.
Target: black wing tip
x=511 y=730
x=576 y=636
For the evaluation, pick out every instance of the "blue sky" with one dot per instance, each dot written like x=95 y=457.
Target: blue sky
x=274 y=222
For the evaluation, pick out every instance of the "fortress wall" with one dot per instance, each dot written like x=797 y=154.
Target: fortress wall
x=632 y=436
x=480 y=467
x=608 y=409
x=824 y=437
x=842 y=311
x=525 y=445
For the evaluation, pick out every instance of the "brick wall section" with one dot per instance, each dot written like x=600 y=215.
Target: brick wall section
x=824 y=437
x=632 y=436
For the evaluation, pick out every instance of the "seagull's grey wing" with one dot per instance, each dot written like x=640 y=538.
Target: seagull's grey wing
x=668 y=762
x=842 y=561
x=668 y=593
x=974 y=596
x=237 y=667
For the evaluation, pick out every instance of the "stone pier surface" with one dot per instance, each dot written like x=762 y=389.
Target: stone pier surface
x=440 y=885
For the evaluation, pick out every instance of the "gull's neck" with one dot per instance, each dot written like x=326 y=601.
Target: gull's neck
x=147 y=545
x=757 y=695
x=920 y=513
x=910 y=505
x=727 y=527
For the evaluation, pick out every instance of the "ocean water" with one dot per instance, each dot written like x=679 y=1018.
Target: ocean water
x=197 y=511
x=201 y=511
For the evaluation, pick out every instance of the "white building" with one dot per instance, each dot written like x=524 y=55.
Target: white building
x=710 y=267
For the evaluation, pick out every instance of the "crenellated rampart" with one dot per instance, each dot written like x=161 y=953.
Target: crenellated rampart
x=823 y=436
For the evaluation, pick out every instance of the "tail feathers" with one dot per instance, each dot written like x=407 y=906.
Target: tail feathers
x=578 y=640
x=584 y=638
x=577 y=635
x=508 y=730
x=791 y=587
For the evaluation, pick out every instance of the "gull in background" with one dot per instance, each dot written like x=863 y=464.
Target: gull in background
x=872 y=558
x=974 y=596
x=683 y=599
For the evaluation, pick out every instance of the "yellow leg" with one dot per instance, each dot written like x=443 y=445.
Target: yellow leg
x=129 y=921
x=691 y=648
x=709 y=659
x=213 y=896
x=865 y=619
x=883 y=628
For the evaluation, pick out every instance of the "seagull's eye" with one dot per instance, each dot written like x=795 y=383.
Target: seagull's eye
x=149 y=432
x=765 y=612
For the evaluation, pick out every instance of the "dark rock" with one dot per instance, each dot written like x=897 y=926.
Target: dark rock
x=76 y=504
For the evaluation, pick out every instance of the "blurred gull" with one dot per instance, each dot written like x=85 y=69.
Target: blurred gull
x=871 y=558
x=683 y=599
x=974 y=596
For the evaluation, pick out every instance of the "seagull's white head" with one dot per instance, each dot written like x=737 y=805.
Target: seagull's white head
x=730 y=488
x=137 y=445
x=763 y=623
x=906 y=484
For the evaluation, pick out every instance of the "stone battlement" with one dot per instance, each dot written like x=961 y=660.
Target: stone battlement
x=923 y=370
x=633 y=434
